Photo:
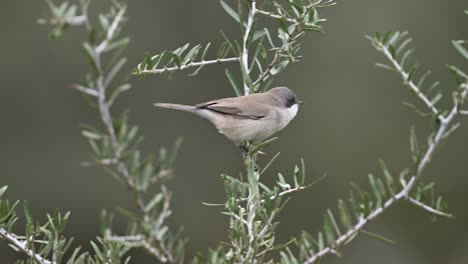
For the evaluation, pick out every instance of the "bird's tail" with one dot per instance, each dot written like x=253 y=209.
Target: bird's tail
x=187 y=108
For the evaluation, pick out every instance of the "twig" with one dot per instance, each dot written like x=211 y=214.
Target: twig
x=404 y=193
x=85 y=90
x=22 y=246
x=84 y=10
x=245 y=50
x=111 y=31
x=404 y=76
x=267 y=72
x=134 y=238
x=190 y=65
x=104 y=105
x=428 y=208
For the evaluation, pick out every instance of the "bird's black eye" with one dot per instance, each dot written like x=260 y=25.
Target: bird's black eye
x=290 y=102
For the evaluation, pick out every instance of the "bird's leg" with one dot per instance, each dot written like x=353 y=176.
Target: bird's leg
x=245 y=149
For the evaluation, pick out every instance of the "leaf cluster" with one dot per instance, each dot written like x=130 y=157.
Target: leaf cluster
x=269 y=54
x=45 y=243
x=115 y=146
x=252 y=208
x=182 y=58
x=62 y=17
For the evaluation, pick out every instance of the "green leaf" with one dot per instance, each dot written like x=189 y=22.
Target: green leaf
x=191 y=55
x=175 y=151
x=355 y=208
x=3 y=190
x=385 y=66
x=423 y=78
x=345 y=216
x=246 y=77
x=205 y=51
x=282 y=182
x=333 y=221
x=414 y=145
x=328 y=230
x=279 y=67
x=147 y=64
x=265 y=168
x=458 y=72
x=233 y=83
x=230 y=11
x=377 y=236
x=320 y=241
x=392 y=50
x=156 y=200
x=376 y=190
x=268 y=36
x=121 y=43
x=27 y=213
x=223 y=50
x=297 y=183
x=105 y=23
x=459 y=46
x=91 y=135
x=91 y=56
x=402 y=46
x=114 y=70
x=157 y=59
x=405 y=57
x=302 y=172
x=388 y=178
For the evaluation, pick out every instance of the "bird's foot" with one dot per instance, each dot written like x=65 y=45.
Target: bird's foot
x=244 y=149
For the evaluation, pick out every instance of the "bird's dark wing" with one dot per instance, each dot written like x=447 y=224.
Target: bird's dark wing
x=242 y=107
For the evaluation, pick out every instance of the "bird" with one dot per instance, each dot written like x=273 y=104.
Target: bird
x=250 y=118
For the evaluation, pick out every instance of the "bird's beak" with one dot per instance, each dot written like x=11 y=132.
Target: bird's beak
x=300 y=102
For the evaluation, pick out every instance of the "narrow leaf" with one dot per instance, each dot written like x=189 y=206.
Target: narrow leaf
x=230 y=11
x=233 y=83
x=414 y=145
x=3 y=190
x=459 y=46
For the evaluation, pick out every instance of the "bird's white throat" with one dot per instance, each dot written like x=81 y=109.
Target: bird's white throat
x=292 y=111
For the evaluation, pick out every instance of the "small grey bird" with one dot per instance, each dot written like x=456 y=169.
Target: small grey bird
x=251 y=118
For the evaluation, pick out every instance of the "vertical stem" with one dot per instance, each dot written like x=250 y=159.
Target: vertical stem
x=252 y=204
x=245 y=51
x=250 y=158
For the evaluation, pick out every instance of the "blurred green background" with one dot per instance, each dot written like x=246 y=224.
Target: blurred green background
x=352 y=117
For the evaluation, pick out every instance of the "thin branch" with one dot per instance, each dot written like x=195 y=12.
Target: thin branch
x=404 y=76
x=112 y=29
x=238 y=218
x=404 y=193
x=134 y=238
x=463 y=112
x=104 y=105
x=84 y=10
x=428 y=208
x=85 y=90
x=245 y=50
x=23 y=247
x=267 y=72
x=190 y=65
x=155 y=252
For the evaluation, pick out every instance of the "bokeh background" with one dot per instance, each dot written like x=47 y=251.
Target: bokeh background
x=352 y=117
